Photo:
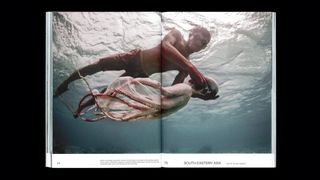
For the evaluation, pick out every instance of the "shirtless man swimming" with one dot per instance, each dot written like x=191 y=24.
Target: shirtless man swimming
x=171 y=54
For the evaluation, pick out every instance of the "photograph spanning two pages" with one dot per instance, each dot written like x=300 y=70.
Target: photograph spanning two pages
x=160 y=89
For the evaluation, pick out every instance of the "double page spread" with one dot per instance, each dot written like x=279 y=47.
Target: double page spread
x=160 y=89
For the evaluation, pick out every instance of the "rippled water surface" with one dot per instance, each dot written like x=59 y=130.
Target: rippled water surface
x=238 y=56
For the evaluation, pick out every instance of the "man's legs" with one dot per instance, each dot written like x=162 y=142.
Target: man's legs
x=115 y=62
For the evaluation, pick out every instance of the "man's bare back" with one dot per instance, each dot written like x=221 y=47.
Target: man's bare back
x=160 y=60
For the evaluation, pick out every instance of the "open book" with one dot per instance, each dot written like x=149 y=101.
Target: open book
x=160 y=89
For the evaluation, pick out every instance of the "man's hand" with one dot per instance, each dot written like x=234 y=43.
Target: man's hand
x=198 y=79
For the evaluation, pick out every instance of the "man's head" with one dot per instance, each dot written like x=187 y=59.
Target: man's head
x=199 y=37
x=209 y=92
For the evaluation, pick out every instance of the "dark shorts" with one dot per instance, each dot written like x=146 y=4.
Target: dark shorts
x=129 y=61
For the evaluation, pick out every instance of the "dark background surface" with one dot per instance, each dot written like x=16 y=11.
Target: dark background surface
x=24 y=139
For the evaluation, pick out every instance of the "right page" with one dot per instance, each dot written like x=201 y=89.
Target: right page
x=219 y=106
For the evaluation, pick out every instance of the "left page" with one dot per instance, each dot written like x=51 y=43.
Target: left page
x=102 y=107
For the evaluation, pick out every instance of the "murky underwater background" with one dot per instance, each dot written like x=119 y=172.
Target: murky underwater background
x=238 y=57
